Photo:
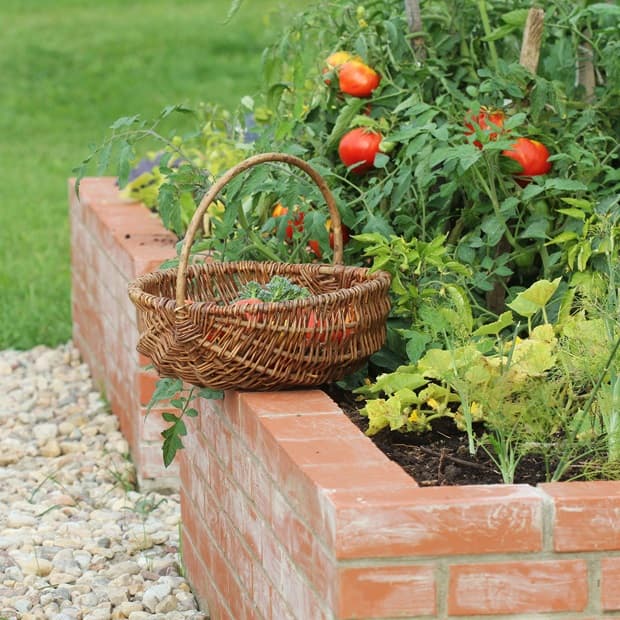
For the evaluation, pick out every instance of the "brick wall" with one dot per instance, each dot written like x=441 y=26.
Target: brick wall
x=112 y=242
x=290 y=512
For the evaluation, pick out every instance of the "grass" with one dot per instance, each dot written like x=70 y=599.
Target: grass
x=69 y=68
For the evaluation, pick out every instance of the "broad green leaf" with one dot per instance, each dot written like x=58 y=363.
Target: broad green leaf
x=536 y=229
x=343 y=123
x=532 y=357
x=210 y=394
x=390 y=383
x=568 y=185
x=531 y=190
x=494 y=329
x=377 y=223
x=169 y=208
x=579 y=203
x=585 y=252
x=436 y=364
x=124 y=121
x=416 y=344
x=499 y=33
x=382 y=413
x=125 y=157
x=165 y=389
x=104 y=158
x=171 y=445
x=535 y=298
x=577 y=214
x=381 y=160
x=516 y=120
x=563 y=237
x=517 y=17
x=493 y=228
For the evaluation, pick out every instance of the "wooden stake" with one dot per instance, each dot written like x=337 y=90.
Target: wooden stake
x=585 y=68
x=414 y=19
x=532 y=38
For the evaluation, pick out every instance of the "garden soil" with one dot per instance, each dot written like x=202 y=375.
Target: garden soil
x=439 y=457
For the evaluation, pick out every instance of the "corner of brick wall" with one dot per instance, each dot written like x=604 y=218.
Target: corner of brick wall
x=112 y=242
x=290 y=512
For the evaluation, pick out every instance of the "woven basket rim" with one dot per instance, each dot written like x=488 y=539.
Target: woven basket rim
x=375 y=279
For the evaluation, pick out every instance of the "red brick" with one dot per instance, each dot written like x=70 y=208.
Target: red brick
x=249 y=474
x=518 y=587
x=610 y=584
x=280 y=609
x=386 y=591
x=356 y=475
x=196 y=572
x=338 y=450
x=308 y=426
x=585 y=516
x=436 y=521
x=303 y=547
x=291 y=585
x=147 y=380
x=151 y=463
x=287 y=402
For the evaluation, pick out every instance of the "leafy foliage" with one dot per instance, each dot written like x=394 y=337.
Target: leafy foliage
x=468 y=240
x=177 y=396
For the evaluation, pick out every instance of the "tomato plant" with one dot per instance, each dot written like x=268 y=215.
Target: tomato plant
x=358 y=148
x=357 y=79
x=446 y=117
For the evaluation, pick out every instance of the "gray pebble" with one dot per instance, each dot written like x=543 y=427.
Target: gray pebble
x=69 y=530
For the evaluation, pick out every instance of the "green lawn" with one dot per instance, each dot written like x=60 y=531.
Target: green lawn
x=68 y=69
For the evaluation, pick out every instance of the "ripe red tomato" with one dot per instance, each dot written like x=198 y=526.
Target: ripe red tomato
x=296 y=224
x=532 y=155
x=359 y=146
x=357 y=78
x=334 y=61
x=486 y=120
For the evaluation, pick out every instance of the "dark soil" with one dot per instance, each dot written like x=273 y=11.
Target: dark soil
x=439 y=457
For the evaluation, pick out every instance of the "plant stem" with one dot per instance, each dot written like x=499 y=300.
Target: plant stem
x=489 y=188
x=562 y=464
x=256 y=240
x=486 y=25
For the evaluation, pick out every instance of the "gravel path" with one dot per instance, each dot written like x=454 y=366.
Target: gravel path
x=77 y=541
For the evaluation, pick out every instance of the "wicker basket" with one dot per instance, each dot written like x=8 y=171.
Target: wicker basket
x=189 y=331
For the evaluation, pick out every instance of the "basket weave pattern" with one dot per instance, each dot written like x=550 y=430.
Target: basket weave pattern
x=190 y=330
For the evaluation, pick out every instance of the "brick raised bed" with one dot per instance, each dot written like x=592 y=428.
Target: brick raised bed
x=113 y=241
x=290 y=512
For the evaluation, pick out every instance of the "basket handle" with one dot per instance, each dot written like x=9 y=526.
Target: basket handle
x=214 y=190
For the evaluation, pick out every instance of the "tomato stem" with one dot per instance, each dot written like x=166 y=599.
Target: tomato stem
x=486 y=25
x=256 y=240
x=489 y=188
